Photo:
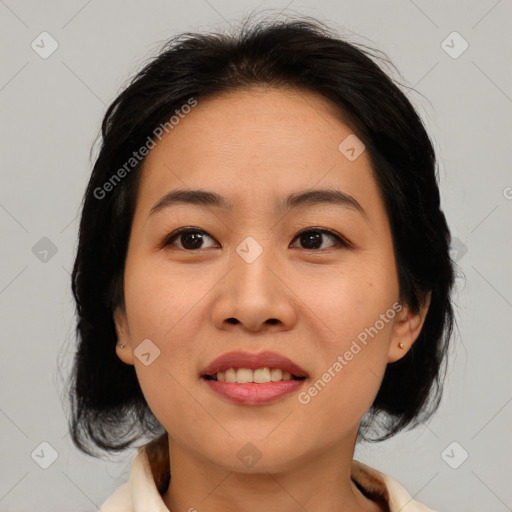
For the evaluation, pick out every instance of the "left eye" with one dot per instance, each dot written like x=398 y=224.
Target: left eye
x=313 y=238
x=192 y=238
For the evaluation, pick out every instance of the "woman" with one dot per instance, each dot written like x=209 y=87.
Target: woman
x=262 y=277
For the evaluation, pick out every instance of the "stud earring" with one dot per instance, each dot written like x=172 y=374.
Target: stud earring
x=121 y=345
x=401 y=345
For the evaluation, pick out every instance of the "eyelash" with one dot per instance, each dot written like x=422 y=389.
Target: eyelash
x=175 y=234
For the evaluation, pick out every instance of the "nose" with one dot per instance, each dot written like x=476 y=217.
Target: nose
x=256 y=296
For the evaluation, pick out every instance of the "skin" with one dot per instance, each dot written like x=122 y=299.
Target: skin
x=254 y=146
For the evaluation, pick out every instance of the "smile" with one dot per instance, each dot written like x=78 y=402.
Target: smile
x=251 y=379
x=259 y=376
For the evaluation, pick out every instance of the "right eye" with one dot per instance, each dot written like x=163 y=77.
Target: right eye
x=190 y=238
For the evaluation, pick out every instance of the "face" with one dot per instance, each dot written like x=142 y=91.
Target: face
x=306 y=285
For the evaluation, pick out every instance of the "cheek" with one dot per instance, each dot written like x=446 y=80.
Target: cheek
x=163 y=313
x=160 y=308
x=355 y=318
x=352 y=301
x=335 y=403
x=160 y=302
x=351 y=367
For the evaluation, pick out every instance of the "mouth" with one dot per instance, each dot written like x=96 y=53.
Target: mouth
x=251 y=379
x=247 y=375
x=244 y=367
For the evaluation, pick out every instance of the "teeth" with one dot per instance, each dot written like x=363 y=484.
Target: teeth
x=244 y=375
x=260 y=375
x=276 y=374
x=229 y=376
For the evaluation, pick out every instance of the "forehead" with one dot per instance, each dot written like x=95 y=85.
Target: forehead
x=259 y=144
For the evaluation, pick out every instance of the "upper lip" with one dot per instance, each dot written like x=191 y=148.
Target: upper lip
x=240 y=359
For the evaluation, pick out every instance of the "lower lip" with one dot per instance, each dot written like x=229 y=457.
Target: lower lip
x=252 y=393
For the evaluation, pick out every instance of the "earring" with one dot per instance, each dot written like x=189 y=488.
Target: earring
x=401 y=345
x=121 y=345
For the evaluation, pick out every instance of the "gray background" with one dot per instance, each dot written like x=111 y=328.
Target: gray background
x=51 y=112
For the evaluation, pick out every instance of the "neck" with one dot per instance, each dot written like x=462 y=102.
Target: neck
x=318 y=482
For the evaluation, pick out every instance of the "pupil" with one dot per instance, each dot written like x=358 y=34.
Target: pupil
x=312 y=239
x=191 y=240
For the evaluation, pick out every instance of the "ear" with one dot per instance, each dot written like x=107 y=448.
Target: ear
x=124 y=353
x=407 y=329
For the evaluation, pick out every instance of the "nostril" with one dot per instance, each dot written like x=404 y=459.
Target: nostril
x=232 y=320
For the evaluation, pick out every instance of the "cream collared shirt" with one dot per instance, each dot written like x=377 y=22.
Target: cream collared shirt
x=140 y=493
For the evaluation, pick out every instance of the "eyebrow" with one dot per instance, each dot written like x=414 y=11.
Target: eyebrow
x=296 y=199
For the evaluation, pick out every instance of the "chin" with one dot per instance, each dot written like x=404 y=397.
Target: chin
x=249 y=455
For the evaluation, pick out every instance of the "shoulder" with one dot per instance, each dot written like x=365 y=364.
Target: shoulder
x=120 y=501
x=140 y=493
x=384 y=488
